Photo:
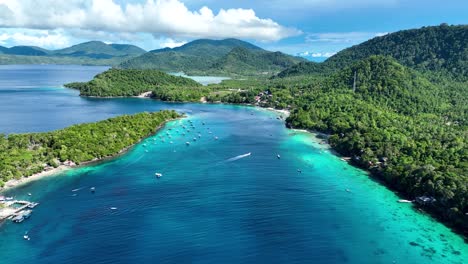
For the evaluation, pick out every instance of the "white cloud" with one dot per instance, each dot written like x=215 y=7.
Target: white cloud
x=317 y=54
x=343 y=37
x=170 y=43
x=41 y=38
x=169 y=18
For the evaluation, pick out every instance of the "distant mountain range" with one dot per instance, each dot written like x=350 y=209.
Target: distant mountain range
x=92 y=52
x=438 y=49
x=205 y=56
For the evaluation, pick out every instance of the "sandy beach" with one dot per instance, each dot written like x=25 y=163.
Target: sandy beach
x=281 y=111
x=17 y=182
x=51 y=172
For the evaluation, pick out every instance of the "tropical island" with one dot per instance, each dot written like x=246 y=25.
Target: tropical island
x=394 y=105
x=24 y=155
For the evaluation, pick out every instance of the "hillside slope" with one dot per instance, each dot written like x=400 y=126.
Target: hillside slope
x=442 y=49
x=395 y=123
x=117 y=82
x=229 y=56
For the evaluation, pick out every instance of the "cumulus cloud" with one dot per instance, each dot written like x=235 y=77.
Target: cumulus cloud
x=41 y=38
x=169 y=18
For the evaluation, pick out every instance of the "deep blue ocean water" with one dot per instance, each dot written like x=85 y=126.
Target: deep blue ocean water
x=207 y=207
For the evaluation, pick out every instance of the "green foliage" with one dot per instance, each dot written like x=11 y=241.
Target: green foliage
x=409 y=132
x=99 y=50
x=441 y=49
x=219 y=57
x=117 y=82
x=242 y=61
x=22 y=155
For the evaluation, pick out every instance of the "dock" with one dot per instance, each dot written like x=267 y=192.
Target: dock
x=10 y=212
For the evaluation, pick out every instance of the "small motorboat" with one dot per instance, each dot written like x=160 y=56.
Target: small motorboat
x=29 y=194
x=113 y=208
x=216 y=138
x=92 y=189
x=187 y=143
x=26 y=237
x=278 y=156
x=404 y=201
x=299 y=170
x=158 y=175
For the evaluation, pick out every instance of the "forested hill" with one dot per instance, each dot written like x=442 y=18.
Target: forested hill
x=92 y=52
x=408 y=132
x=118 y=82
x=220 y=57
x=22 y=155
x=243 y=61
x=442 y=49
x=383 y=81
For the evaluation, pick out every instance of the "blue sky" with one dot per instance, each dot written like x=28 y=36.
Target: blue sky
x=312 y=28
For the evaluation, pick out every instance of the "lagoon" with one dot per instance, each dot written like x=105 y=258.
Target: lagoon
x=207 y=207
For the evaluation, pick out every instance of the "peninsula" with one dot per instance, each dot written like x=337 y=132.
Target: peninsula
x=39 y=154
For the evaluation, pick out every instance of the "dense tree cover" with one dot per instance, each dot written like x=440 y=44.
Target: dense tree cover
x=408 y=132
x=442 y=49
x=230 y=57
x=22 y=155
x=118 y=82
x=89 y=53
x=244 y=62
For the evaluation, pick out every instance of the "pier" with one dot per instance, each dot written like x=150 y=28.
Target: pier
x=10 y=212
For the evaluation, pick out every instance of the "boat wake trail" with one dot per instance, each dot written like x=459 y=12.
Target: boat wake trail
x=238 y=157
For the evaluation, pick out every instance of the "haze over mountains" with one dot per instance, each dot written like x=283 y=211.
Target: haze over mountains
x=203 y=56
x=92 y=52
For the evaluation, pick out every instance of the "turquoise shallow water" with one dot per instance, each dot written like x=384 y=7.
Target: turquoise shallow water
x=209 y=208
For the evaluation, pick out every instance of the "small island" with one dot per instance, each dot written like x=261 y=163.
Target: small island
x=33 y=155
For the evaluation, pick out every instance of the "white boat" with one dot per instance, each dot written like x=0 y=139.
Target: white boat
x=158 y=174
x=278 y=156
x=26 y=237
x=92 y=189
x=188 y=143
x=113 y=208
x=404 y=201
x=216 y=138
